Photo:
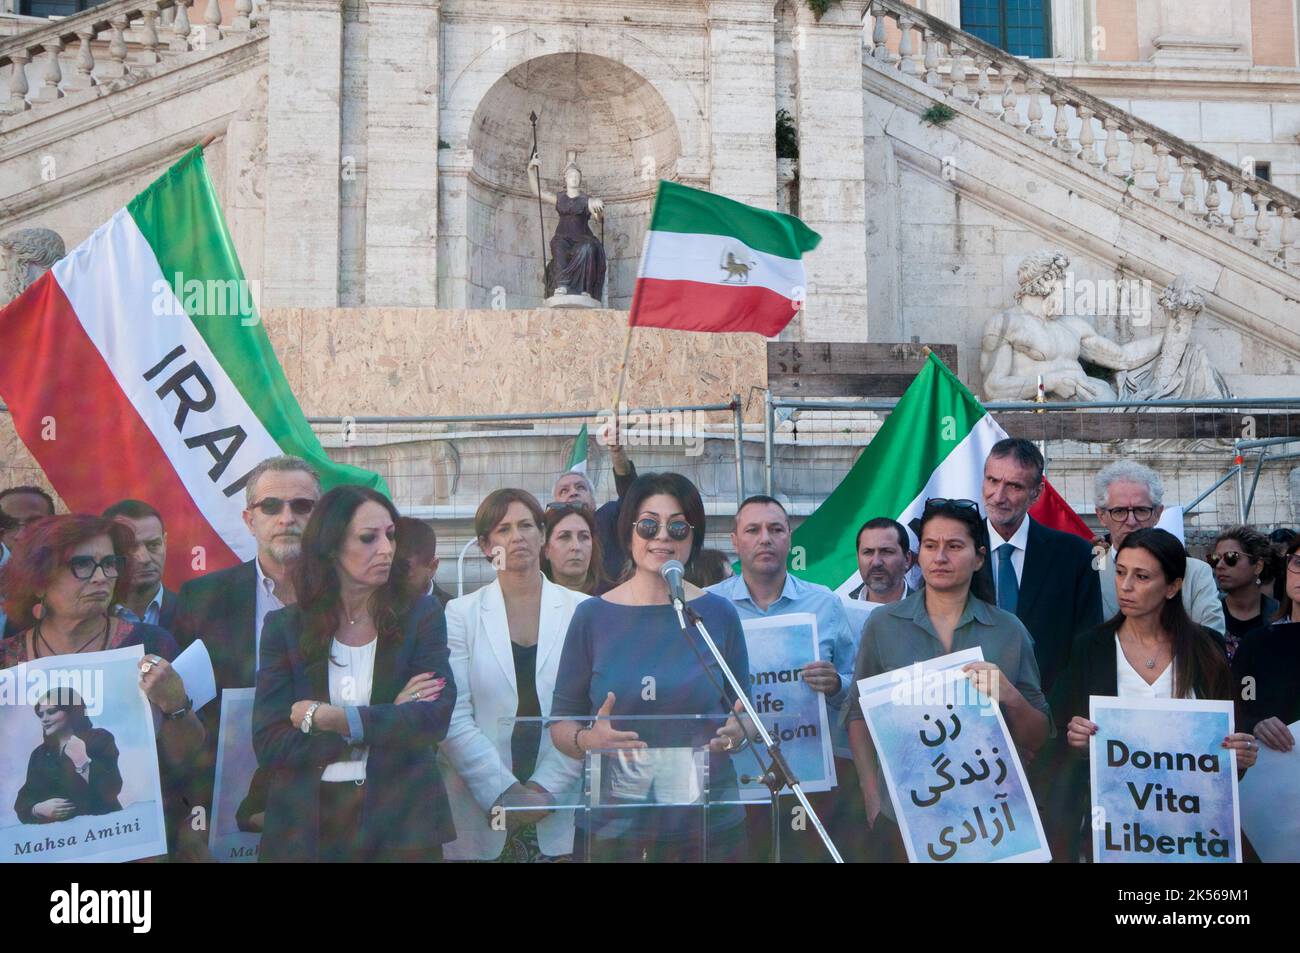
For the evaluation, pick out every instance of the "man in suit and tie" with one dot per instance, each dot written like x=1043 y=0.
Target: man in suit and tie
x=226 y=609
x=148 y=601
x=1047 y=579
x=1044 y=576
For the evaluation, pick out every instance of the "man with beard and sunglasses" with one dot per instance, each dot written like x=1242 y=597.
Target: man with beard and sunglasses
x=226 y=609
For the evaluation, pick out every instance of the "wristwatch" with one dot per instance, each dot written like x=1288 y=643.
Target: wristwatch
x=178 y=715
x=306 y=719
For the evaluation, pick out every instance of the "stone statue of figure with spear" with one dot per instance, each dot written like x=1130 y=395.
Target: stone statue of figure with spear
x=575 y=274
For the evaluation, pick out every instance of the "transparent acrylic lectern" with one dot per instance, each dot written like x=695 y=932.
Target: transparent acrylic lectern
x=673 y=800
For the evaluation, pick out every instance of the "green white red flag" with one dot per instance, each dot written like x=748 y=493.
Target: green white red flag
x=710 y=263
x=137 y=367
x=933 y=444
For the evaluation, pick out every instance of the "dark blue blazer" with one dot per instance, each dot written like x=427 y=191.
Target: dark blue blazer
x=405 y=805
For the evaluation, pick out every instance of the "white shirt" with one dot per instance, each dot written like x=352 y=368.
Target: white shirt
x=1131 y=684
x=1019 y=539
x=352 y=673
x=267 y=601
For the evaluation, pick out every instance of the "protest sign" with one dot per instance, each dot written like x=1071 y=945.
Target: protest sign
x=1269 y=792
x=794 y=714
x=238 y=801
x=954 y=778
x=1164 y=789
x=81 y=780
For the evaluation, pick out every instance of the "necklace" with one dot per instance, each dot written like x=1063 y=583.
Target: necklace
x=1151 y=661
x=40 y=640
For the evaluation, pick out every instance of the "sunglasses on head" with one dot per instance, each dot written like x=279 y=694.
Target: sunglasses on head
x=561 y=505
x=83 y=567
x=1230 y=559
x=648 y=528
x=940 y=503
x=272 y=505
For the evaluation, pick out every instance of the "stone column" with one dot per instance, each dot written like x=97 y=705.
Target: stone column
x=304 y=99
x=402 y=153
x=828 y=63
x=742 y=100
x=454 y=166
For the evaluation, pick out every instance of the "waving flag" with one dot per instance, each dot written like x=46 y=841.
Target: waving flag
x=714 y=264
x=933 y=444
x=137 y=367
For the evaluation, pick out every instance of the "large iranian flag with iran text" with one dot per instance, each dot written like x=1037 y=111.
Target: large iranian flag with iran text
x=710 y=263
x=933 y=444
x=137 y=367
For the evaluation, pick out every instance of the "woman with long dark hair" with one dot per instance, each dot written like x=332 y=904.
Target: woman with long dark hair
x=1150 y=649
x=1244 y=564
x=353 y=695
x=572 y=555
x=74 y=771
x=953 y=611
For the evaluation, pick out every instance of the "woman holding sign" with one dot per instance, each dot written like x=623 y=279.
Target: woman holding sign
x=1150 y=649
x=353 y=696
x=953 y=612
x=59 y=583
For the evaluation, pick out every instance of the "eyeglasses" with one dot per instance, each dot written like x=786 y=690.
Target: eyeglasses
x=272 y=505
x=649 y=528
x=940 y=503
x=1293 y=563
x=1120 y=513
x=83 y=567
x=574 y=505
x=1231 y=559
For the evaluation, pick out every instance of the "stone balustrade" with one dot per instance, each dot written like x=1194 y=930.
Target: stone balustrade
x=111 y=42
x=1151 y=163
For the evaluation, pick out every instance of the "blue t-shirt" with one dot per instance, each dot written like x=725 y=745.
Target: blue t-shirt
x=641 y=655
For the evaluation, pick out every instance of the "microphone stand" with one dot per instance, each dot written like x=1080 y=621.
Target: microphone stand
x=777 y=774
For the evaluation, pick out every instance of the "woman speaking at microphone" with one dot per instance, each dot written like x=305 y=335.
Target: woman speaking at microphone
x=626 y=657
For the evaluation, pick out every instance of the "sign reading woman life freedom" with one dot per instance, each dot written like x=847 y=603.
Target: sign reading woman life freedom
x=954 y=777
x=794 y=714
x=77 y=734
x=1164 y=789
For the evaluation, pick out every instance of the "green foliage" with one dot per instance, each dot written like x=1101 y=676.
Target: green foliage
x=787 y=138
x=938 y=114
x=818 y=7
x=444 y=144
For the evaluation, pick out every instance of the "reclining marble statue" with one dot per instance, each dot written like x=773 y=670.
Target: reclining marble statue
x=1032 y=339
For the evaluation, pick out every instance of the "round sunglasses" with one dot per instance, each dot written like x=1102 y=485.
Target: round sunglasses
x=1229 y=559
x=648 y=528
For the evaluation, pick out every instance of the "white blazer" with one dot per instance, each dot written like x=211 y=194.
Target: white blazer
x=475 y=758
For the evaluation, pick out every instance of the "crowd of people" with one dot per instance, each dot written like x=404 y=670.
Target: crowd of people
x=394 y=722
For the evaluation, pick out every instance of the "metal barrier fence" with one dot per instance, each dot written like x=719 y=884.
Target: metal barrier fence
x=440 y=468
x=1201 y=449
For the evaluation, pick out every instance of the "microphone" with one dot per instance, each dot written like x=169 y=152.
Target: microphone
x=672 y=572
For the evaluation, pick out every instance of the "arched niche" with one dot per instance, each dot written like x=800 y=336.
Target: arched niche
x=626 y=140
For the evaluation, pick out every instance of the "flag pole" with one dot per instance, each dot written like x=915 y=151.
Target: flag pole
x=207 y=140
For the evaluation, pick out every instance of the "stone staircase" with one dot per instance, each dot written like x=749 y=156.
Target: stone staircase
x=976 y=123
x=1150 y=165
x=109 y=47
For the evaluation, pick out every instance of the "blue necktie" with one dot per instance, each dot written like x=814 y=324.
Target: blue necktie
x=1008 y=585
